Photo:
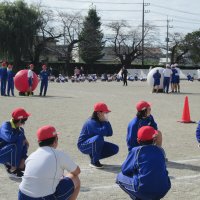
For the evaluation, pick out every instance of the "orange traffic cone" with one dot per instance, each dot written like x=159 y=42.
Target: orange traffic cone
x=186 y=112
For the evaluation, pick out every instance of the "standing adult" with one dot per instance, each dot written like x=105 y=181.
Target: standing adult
x=30 y=79
x=167 y=72
x=156 y=77
x=44 y=75
x=124 y=75
x=3 y=78
x=13 y=143
x=143 y=118
x=91 y=139
x=10 y=85
x=44 y=176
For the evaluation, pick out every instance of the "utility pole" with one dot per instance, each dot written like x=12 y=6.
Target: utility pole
x=167 y=39
x=143 y=11
x=64 y=34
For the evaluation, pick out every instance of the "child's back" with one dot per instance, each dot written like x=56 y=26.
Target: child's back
x=150 y=175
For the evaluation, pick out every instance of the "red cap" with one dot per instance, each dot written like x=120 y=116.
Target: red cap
x=46 y=132
x=146 y=133
x=101 y=107
x=20 y=113
x=3 y=64
x=142 y=105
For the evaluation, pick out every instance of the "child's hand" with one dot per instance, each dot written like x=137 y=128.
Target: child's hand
x=26 y=143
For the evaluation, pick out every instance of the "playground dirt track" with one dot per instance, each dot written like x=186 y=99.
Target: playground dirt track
x=68 y=105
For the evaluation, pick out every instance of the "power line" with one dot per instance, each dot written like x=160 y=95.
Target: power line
x=186 y=22
x=177 y=10
x=175 y=16
x=66 y=8
x=100 y=2
x=133 y=20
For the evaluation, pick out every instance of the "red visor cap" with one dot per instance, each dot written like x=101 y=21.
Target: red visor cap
x=146 y=133
x=101 y=107
x=46 y=132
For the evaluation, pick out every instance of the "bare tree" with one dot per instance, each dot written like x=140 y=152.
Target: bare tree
x=127 y=42
x=46 y=33
x=178 y=47
x=71 y=25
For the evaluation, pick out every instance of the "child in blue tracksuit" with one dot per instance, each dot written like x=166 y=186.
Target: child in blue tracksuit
x=143 y=118
x=156 y=77
x=44 y=74
x=10 y=76
x=3 y=78
x=91 y=139
x=174 y=79
x=13 y=143
x=144 y=175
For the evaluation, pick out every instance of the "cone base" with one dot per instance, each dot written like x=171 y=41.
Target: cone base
x=187 y=122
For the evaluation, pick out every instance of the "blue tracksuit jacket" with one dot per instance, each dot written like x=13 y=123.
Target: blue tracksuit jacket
x=91 y=140
x=92 y=128
x=44 y=74
x=134 y=125
x=144 y=173
x=157 y=77
x=12 y=148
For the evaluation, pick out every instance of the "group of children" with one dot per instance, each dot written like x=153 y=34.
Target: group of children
x=171 y=75
x=7 y=79
x=143 y=177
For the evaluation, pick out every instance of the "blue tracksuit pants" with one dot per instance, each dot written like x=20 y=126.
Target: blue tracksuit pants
x=43 y=86
x=3 y=86
x=10 y=87
x=13 y=153
x=126 y=184
x=166 y=83
x=98 y=149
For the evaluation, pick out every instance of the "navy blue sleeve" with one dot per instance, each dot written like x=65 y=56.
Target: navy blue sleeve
x=129 y=167
x=198 y=132
x=153 y=123
x=98 y=128
x=131 y=138
x=102 y=128
x=7 y=134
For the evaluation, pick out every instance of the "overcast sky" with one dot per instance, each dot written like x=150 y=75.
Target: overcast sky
x=184 y=15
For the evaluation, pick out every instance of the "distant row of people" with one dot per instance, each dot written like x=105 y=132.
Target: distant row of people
x=7 y=79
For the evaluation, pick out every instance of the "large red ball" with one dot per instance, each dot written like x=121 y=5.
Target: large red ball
x=21 y=81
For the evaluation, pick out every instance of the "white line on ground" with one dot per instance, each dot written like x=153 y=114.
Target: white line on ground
x=186 y=161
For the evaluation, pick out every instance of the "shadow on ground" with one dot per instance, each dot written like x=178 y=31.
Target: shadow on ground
x=181 y=166
x=112 y=168
x=47 y=97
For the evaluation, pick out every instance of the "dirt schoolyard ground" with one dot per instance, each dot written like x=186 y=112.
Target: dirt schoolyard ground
x=68 y=105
